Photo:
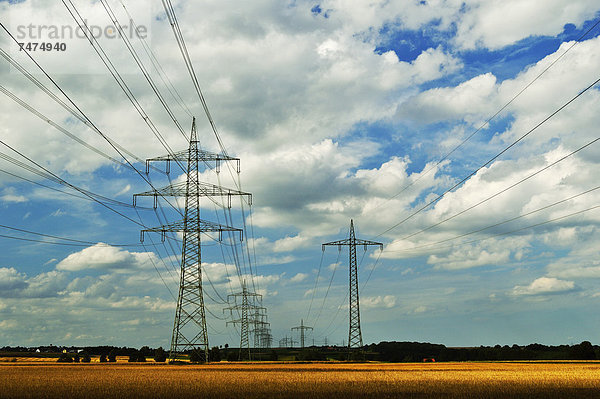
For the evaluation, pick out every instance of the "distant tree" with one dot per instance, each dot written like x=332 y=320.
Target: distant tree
x=65 y=358
x=195 y=357
x=76 y=358
x=273 y=356
x=160 y=355
x=85 y=358
x=214 y=354
x=146 y=351
x=112 y=356
x=583 y=351
x=103 y=358
x=133 y=357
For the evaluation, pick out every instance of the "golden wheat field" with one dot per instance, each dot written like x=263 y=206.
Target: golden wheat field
x=314 y=380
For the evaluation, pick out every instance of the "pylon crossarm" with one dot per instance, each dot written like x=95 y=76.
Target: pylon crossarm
x=204 y=190
x=203 y=156
x=202 y=226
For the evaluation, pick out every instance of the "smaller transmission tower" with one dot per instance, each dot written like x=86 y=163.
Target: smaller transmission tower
x=302 y=328
x=354 y=333
x=244 y=307
x=262 y=328
x=287 y=342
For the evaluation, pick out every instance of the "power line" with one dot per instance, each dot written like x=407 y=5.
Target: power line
x=170 y=11
x=62 y=181
x=54 y=178
x=484 y=124
x=502 y=191
x=158 y=67
x=138 y=61
x=491 y=160
x=500 y=223
x=82 y=23
x=189 y=65
x=81 y=112
x=41 y=116
x=315 y=287
x=490 y=227
x=68 y=108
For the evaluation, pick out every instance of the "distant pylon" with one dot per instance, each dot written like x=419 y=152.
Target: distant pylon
x=302 y=329
x=189 y=327
x=354 y=332
x=247 y=304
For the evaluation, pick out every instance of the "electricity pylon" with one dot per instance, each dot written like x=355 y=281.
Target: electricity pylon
x=248 y=304
x=302 y=328
x=287 y=342
x=354 y=333
x=189 y=327
x=262 y=328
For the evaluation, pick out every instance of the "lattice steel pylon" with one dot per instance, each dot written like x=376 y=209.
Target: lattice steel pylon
x=189 y=327
x=302 y=328
x=248 y=304
x=354 y=332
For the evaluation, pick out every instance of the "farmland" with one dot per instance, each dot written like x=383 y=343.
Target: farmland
x=312 y=380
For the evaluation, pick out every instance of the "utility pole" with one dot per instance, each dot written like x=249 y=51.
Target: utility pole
x=302 y=328
x=354 y=332
x=189 y=327
x=248 y=302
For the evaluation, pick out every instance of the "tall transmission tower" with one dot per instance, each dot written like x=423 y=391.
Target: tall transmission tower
x=244 y=307
x=302 y=328
x=189 y=327
x=354 y=333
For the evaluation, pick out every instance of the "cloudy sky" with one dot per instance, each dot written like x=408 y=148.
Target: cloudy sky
x=338 y=110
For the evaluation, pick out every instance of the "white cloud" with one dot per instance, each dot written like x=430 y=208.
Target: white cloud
x=545 y=286
x=469 y=258
x=469 y=100
x=420 y=309
x=288 y=244
x=385 y=302
x=10 y=195
x=8 y=324
x=11 y=280
x=298 y=278
x=17 y=285
x=104 y=257
x=495 y=24
x=489 y=252
x=125 y=190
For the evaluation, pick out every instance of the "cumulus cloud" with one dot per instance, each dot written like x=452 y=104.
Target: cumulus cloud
x=469 y=100
x=18 y=285
x=385 y=302
x=298 y=278
x=11 y=280
x=288 y=244
x=489 y=252
x=495 y=24
x=10 y=195
x=545 y=286
x=104 y=257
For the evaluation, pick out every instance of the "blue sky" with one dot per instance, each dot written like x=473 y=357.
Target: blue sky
x=338 y=110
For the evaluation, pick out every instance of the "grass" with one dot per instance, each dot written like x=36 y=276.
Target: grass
x=314 y=380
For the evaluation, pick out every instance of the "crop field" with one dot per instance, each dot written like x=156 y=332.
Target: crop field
x=311 y=380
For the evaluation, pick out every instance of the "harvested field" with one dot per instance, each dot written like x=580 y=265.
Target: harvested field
x=313 y=380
